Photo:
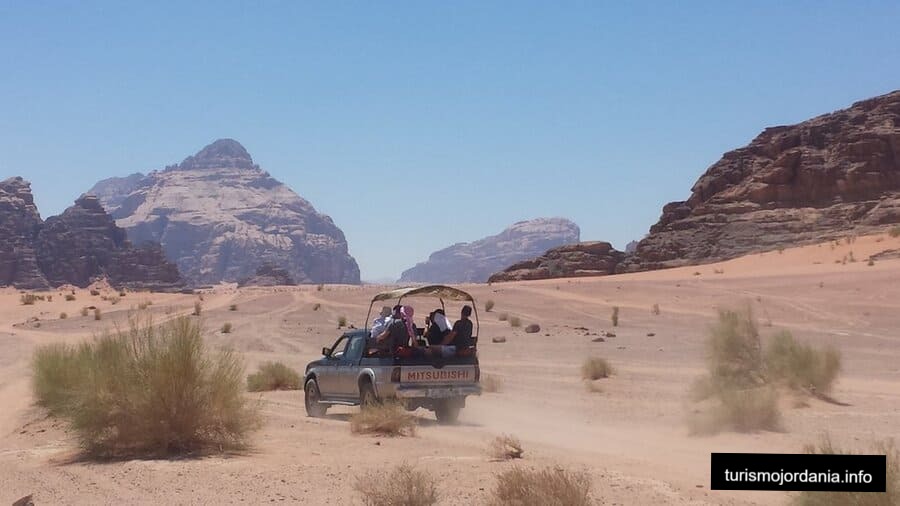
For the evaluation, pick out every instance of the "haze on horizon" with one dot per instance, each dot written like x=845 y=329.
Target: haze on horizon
x=436 y=123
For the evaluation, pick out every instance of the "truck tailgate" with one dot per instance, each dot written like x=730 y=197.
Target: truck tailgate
x=451 y=374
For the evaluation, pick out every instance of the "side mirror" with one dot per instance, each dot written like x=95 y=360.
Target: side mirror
x=326 y=351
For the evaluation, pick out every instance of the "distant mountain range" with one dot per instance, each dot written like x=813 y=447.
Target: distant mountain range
x=477 y=260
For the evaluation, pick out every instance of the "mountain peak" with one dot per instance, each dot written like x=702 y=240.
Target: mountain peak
x=223 y=153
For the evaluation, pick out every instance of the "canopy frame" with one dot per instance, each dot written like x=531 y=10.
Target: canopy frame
x=438 y=291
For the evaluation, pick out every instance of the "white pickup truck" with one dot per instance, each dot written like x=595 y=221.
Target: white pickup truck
x=350 y=373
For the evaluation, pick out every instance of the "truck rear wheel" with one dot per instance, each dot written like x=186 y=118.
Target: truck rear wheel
x=367 y=397
x=313 y=401
x=447 y=412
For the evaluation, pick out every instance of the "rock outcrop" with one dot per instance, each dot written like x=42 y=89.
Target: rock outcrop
x=20 y=223
x=78 y=247
x=219 y=216
x=821 y=179
x=476 y=261
x=268 y=275
x=572 y=260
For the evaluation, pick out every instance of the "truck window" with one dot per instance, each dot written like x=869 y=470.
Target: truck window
x=355 y=348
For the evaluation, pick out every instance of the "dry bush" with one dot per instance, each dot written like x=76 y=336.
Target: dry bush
x=49 y=298
x=70 y=297
x=197 y=308
x=503 y=317
x=614 y=318
x=28 y=299
x=488 y=305
x=143 y=305
x=97 y=314
x=226 y=328
x=63 y=316
x=491 y=383
x=342 y=322
x=748 y=410
x=890 y=497
x=799 y=365
x=84 y=311
x=734 y=348
x=316 y=306
x=514 y=321
x=232 y=307
x=655 y=309
x=894 y=231
x=595 y=368
x=546 y=487
x=403 y=486
x=871 y=262
x=593 y=387
x=94 y=292
x=114 y=300
x=146 y=391
x=122 y=293
x=320 y=287
x=505 y=447
x=273 y=376
x=386 y=419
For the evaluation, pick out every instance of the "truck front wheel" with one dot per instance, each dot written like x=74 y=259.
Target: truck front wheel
x=313 y=401
x=447 y=411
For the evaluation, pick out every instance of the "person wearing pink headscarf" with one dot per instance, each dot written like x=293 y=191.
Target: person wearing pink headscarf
x=407 y=312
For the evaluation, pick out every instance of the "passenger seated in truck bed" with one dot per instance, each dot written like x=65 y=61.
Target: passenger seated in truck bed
x=460 y=336
x=437 y=327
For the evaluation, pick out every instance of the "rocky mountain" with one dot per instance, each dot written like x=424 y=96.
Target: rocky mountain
x=219 y=217
x=821 y=179
x=476 y=261
x=268 y=275
x=20 y=223
x=572 y=260
x=77 y=247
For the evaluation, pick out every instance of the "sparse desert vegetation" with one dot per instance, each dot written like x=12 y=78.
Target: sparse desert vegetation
x=654 y=310
x=84 y=311
x=515 y=321
x=117 y=391
x=28 y=299
x=342 y=322
x=542 y=487
x=503 y=317
x=273 y=376
x=402 y=486
x=98 y=315
x=198 y=307
x=505 y=447
x=614 y=317
x=63 y=316
x=595 y=368
x=894 y=231
x=385 y=419
x=491 y=383
x=232 y=307
x=799 y=365
x=488 y=306
x=226 y=328
x=316 y=306
x=890 y=497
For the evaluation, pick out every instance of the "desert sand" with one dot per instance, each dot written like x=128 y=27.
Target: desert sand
x=631 y=437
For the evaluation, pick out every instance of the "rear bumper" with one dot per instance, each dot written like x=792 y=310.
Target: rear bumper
x=436 y=391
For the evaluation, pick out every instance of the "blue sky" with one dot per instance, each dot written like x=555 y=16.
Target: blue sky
x=440 y=121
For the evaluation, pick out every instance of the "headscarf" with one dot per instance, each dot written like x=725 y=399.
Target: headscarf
x=406 y=312
x=441 y=321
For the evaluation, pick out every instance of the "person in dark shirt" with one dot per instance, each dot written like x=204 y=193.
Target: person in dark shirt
x=394 y=336
x=461 y=335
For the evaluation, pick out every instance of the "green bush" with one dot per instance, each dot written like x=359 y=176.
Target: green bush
x=799 y=365
x=146 y=391
x=273 y=376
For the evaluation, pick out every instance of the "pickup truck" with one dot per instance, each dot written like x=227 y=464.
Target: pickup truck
x=347 y=374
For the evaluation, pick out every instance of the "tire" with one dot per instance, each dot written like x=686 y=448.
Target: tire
x=313 y=400
x=447 y=412
x=367 y=397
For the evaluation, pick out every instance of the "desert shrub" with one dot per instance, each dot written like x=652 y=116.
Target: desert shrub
x=148 y=390
x=894 y=231
x=232 y=307
x=739 y=410
x=94 y=292
x=122 y=293
x=655 y=309
x=593 y=387
x=197 y=308
x=491 y=383
x=505 y=447
x=614 y=318
x=97 y=314
x=871 y=262
x=144 y=304
x=57 y=369
x=890 y=497
x=386 y=419
x=84 y=311
x=273 y=376
x=49 y=298
x=799 y=365
x=114 y=300
x=70 y=297
x=595 y=368
x=63 y=316
x=342 y=322
x=503 y=317
x=320 y=287
x=28 y=299
x=515 y=321
x=488 y=305
x=552 y=486
x=734 y=350
x=403 y=486
x=226 y=328
x=316 y=306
